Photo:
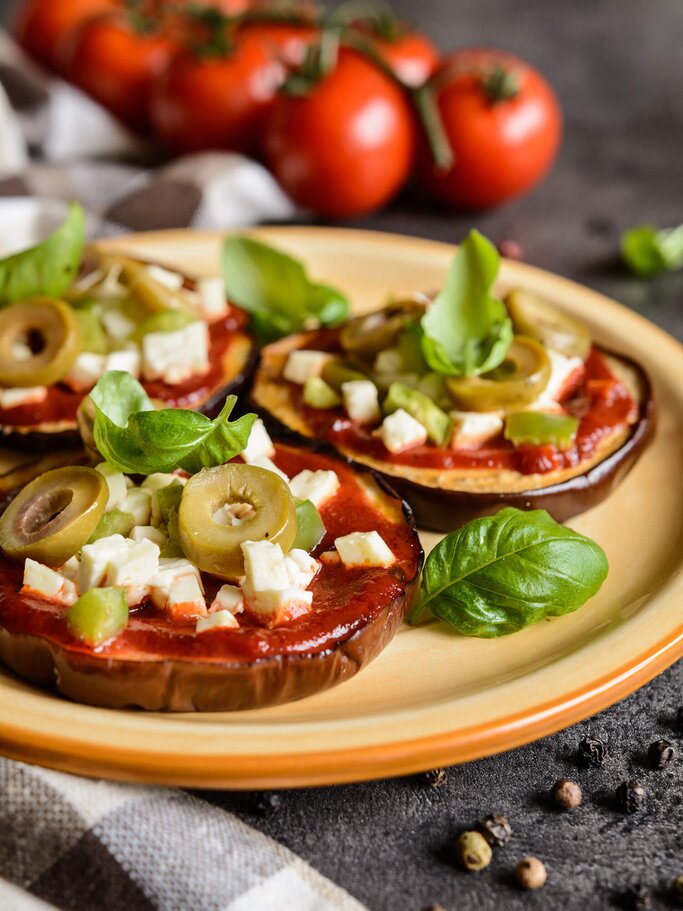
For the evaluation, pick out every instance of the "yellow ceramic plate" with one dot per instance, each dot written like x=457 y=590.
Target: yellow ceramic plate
x=432 y=698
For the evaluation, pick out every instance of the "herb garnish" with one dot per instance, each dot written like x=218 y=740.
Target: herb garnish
x=47 y=269
x=648 y=251
x=276 y=290
x=136 y=439
x=501 y=573
x=467 y=330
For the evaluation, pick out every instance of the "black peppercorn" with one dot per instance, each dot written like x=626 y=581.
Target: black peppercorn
x=567 y=794
x=495 y=829
x=638 y=898
x=677 y=890
x=436 y=777
x=660 y=754
x=679 y=720
x=267 y=804
x=630 y=796
x=593 y=752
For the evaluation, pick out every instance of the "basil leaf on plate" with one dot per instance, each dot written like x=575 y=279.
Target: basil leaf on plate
x=467 y=330
x=47 y=269
x=498 y=574
x=136 y=439
x=647 y=251
x=275 y=288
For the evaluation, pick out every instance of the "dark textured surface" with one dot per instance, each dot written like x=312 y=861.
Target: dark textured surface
x=618 y=68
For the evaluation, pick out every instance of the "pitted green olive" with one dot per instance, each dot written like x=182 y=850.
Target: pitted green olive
x=54 y=516
x=520 y=379
x=39 y=341
x=152 y=294
x=374 y=332
x=263 y=509
x=535 y=317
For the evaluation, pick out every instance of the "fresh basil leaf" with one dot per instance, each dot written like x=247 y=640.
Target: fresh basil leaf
x=647 y=251
x=498 y=574
x=136 y=439
x=276 y=289
x=47 y=269
x=467 y=330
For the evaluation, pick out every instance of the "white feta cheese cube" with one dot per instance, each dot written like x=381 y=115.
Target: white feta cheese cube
x=269 y=465
x=138 y=502
x=148 y=533
x=172 y=280
x=86 y=371
x=116 y=482
x=117 y=324
x=264 y=566
x=276 y=606
x=70 y=568
x=48 y=583
x=174 y=357
x=364 y=548
x=128 y=360
x=316 y=486
x=228 y=598
x=95 y=559
x=185 y=598
x=259 y=445
x=302 y=364
x=135 y=564
x=361 y=401
x=212 y=298
x=221 y=619
x=22 y=395
x=401 y=431
x=472 y=428
x=302 y=568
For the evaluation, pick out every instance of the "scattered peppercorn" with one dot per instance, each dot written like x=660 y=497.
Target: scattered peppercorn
x=434 y=908
x=267 y=804
x=677 y=890
x=638 y=898
x=511 y=249
x=593 y=752
x=531 y=873
x=495 y=829
x=660 y=754
x=436 y=777
x=630 y=796
x=473 y=851
x=679 y=720
x=567 y=794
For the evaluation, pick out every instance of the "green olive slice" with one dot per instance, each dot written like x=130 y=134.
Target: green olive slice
x=374 y=332
x=39 y=341
x=152 y=294
x=537 y=318
x=268 y=513
x=54 y=516
x=520 y=379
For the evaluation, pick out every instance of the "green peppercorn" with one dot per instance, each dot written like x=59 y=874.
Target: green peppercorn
x=473 y=851
x=567 y=794
x=531 y=873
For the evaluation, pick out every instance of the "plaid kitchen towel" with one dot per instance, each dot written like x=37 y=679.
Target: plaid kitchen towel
x=71 y=843
x=55 y=142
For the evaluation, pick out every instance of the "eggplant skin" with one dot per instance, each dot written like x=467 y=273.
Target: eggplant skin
x=201 y=686
x=445 y=509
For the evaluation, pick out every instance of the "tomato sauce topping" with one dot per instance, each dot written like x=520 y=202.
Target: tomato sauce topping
x=600 y=401
x=344 y=600
x=61 y=403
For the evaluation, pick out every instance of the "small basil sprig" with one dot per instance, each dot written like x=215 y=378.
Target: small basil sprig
x=276 y=290
x=136 y=439
x=501 y=573
x=647 y=251
x=467 y=330
x=47 y=269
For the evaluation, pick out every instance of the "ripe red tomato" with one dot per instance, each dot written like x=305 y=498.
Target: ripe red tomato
x=221 y=102
x=504 y=125
x=116 y=65
x=411 y=56
x=345 y=148
x=41 y=25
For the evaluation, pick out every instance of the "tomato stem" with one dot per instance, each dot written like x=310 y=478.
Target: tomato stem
x=432 y=124
x=500 y=84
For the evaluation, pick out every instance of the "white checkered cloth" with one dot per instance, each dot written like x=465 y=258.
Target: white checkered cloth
x=72 y=843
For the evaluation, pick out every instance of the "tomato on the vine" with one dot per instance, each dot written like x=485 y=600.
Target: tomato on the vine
x=116 y=64
x=411 y=56
x=220 y=102
x=346 y=146
x=41 y=25
x=503 y=123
